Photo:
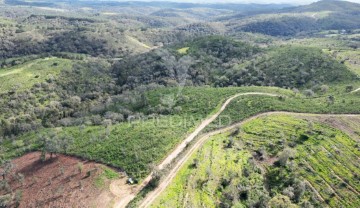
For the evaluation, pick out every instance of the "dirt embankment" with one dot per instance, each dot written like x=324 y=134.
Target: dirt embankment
x=61 y=181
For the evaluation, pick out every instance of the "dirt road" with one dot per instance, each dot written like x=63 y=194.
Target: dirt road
x=126 y=197
x=357 y=90
x=167 y=180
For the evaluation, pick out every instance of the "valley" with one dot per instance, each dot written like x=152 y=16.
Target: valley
x=173 y=104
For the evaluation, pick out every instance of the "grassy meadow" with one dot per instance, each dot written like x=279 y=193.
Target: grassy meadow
x=24 y=76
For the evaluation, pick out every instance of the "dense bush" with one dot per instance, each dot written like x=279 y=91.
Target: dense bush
x=221 y=62
x=284 y=26
x=207 y=57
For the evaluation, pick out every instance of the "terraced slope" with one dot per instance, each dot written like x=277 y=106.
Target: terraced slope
x=295 y=158
x=241 y=108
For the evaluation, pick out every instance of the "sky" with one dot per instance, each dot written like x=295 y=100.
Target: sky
x=251 y=1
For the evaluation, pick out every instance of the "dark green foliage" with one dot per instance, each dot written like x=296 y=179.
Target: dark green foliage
x=222 y=62
x=279 y=178
x=71 y=42
x=244 y=107
x=205 y=61
x=57 y=102
x=221 y=48
x=118 y=76
x=293 y=67
x=343 y=16
x=292 y=26
x=284 y=26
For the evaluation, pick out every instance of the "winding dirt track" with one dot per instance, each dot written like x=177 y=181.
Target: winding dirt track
x=125 y=198
x=168 y=179
x=357 y=90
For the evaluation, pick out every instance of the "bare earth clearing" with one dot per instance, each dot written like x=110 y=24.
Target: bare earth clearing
x=58 y=182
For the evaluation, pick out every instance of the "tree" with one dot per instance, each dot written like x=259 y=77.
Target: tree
x=7 y=167
x=5 y=186
x=18 y=197
x=20 y=178
x=156 y=176
x=65 y=142
x=349 y=88
x=281 y=201
x=306 y=204
x=80 y=167
x=324 y=88
x=195 y=163
x=309 y=93
x=230 y=143
x=289 y=192
x=5 y=200
x=285 y=155
x=299 y=189
x=331 y=99
x=50 y=143
x=296 y=91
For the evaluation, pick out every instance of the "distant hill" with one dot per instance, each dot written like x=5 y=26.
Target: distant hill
x=283 y=26
x=322 y=15
x=157 y=4
x=327 y=5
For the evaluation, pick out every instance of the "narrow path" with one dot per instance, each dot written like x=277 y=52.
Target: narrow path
x=202 y=126
x=357 y=90
x=167 y=180
x=125 y=198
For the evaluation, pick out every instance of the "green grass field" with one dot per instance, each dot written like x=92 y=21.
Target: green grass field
x=322 y=43
x=235 y=175
x=196 y=185
x=183 y=50
x=351 y=58
x=24 y=76
x=6 y=21
x=245 y=107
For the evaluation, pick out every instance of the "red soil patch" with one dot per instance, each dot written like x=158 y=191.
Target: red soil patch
x=57 y=182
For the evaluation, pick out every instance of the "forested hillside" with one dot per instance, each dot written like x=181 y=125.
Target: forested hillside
x=322 y=15
x=92 y=91
x=222 y=62
x=134 y=85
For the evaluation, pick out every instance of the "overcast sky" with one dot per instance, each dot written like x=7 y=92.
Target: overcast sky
x=251 y=1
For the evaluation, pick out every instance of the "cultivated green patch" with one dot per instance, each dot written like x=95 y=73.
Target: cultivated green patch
x=301 y=161
x=245 y=107
x=24 y=76
x=183 y=50
x=351 y=58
